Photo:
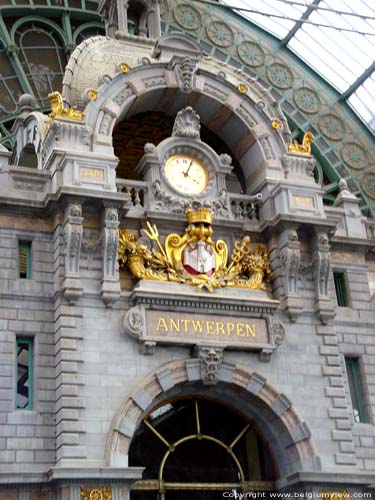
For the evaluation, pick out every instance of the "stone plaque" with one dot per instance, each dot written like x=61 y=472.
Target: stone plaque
x=93 y=173
x=303 y=201
x=176 y=327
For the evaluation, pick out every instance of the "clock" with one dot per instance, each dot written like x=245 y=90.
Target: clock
x=186 y=174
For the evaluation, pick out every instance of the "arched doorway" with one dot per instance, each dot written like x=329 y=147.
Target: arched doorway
x=195 y=448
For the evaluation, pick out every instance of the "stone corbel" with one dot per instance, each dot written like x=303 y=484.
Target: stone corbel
x=210 y=360
x=290 y=258
x=73 y=231
x=321 y=268
x=110 y=291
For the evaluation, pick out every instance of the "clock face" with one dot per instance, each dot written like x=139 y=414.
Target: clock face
x=186 y=174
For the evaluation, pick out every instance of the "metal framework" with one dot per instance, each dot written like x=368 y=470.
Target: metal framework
x=161 y=486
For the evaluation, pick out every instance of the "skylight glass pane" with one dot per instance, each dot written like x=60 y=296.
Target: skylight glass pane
x=337 y=39
x=285 y=13
x=363 y=101
x=338 y=54
x=320 y=59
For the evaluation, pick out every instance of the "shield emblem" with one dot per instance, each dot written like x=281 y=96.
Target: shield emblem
x=199 y=258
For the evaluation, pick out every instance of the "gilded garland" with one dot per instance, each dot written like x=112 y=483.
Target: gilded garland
x=195 y=258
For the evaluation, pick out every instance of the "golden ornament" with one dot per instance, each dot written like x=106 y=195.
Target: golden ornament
x=195 y=258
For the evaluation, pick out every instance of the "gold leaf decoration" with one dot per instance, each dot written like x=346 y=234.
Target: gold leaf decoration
x=59 y=111
x=195 y=258
x=304 y=148
x=96 y=493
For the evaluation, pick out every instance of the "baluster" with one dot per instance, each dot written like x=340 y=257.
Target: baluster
x=137 y=200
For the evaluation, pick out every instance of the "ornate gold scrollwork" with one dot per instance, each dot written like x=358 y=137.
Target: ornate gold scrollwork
x=58 y=110
x=96 y=493
x=304 y=148
x=194 y=258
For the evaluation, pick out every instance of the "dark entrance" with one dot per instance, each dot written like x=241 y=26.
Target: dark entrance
x=198 y=449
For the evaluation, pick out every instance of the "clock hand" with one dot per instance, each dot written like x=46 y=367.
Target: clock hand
x=186 y=174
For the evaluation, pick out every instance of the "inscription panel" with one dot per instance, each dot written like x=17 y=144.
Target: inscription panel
x=303 y=201
x=162 y=326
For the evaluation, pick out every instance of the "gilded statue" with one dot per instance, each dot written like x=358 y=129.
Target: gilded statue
x=304 y=148
x=59 y=111
x=195 y=258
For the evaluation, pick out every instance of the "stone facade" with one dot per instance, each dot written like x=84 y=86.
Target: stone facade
x=93 y=382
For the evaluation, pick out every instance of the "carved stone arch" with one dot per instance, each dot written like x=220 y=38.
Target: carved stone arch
x=232 y=115
x=287 y=435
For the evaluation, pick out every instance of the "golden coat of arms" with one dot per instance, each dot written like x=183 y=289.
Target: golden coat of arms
x=195 y=258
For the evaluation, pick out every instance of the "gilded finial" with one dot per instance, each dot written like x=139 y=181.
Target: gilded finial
x=59 y=111
x=304 y=148
x=276 y=124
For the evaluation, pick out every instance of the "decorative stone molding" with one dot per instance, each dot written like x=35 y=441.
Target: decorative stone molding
x=290 y=259
x=273 y=410
x=296 y=167
x=321 y=259
x=133 y=322
x=110 y=285
x=211 y=360
x=174 y=204
x=187 y=124
x=186 y=72
x=73 y=232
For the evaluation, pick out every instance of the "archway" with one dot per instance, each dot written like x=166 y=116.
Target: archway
x=239 y=388
x=198 y=446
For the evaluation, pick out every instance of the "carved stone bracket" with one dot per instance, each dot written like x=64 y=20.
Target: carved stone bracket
x=211 y=360
x=321 y=265
x=110 y=285
x=290 y=258
x=73 y=231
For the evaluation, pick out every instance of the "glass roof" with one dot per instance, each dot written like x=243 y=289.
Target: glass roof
x=334 y=37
